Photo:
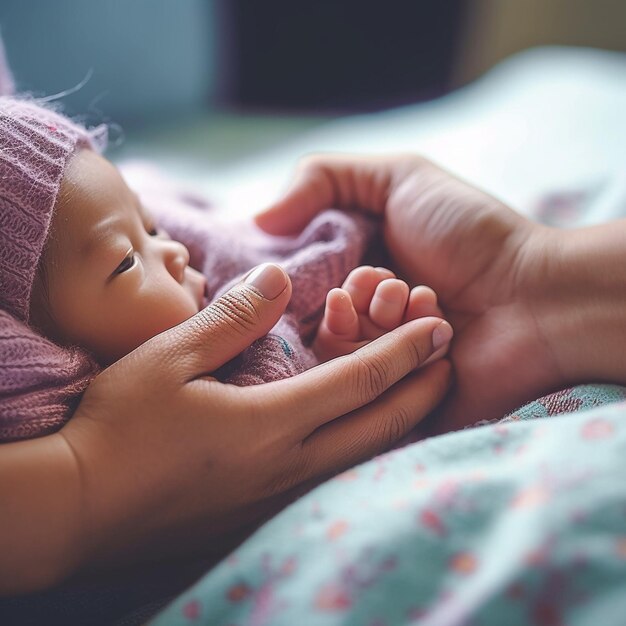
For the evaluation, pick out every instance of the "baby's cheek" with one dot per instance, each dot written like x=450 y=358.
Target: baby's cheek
x=169 y=312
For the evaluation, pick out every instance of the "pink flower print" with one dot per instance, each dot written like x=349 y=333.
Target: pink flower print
x=238 y=592
x=498 y=447
x=598 y=428
x=333 y=598
x=337 y=529
x=421 y=483
x=191 y=610
x=446 y=493
x=431 y=520
x=555 y=594
x=521 y=449
x=355 y=578
x=464 y=563
x=501 y=429
x=265 y=605
x=530 y=497
x=379 y=472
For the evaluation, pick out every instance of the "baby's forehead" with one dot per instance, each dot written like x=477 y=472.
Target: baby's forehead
x=93 y=197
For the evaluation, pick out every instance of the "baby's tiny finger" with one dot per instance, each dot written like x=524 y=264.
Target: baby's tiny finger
x=340 y=316
x=422 y=303
x=389 y=303
x=361 y=284
x=383 y=272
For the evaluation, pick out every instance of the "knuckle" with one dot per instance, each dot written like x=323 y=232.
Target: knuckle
x=317 y=168
x=417 y=354
x=396 y=425
x=237 y=310
x=371 y=376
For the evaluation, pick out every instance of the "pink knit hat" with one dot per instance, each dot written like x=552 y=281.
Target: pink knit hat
x=35 y=146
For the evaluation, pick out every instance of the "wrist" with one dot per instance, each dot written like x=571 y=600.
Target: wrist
x=580 y=301
x=40 y=487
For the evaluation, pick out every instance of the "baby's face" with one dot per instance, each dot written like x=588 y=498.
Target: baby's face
x=114 y=281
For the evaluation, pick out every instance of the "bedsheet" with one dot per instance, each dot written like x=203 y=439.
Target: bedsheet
x=521 y=522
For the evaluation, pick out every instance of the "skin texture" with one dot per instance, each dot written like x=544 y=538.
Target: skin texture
x=534 y=309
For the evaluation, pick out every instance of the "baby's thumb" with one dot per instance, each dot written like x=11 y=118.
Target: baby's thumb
x=229 y=325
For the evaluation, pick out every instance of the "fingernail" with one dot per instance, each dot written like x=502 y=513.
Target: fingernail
x=442 y=335
x=269 y=279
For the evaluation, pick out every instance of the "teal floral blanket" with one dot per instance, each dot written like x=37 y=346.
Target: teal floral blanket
x=518 y=522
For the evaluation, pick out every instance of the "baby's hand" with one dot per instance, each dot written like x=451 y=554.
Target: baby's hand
x=371 y=302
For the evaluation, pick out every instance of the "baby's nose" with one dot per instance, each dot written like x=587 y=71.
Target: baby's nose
x=176 y=259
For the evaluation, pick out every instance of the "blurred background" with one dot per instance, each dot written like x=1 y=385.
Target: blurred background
x=229 y=78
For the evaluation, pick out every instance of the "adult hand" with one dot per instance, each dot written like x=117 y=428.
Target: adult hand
x=172 y=462
x=496 y=273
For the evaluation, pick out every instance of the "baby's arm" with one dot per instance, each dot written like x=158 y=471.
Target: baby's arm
x=371 y=302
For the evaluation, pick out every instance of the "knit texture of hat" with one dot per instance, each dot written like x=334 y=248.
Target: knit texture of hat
x=40 y=383
x=35 y=146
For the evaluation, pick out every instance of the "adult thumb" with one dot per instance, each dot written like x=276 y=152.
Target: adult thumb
x=229 y=325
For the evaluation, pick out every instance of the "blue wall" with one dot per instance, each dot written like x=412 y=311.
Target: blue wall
x=150 y=58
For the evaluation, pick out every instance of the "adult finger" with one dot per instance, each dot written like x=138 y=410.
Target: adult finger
x=344 y=384
x=226 y=327
x=376 y=427
x=329 y=181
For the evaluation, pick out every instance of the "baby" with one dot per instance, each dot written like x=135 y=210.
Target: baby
x=85 y=263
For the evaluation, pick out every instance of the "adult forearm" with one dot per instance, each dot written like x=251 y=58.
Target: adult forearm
x=39 y=513
x=584 y=307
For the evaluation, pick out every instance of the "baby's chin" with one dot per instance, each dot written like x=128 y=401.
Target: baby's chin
x=196 y=283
